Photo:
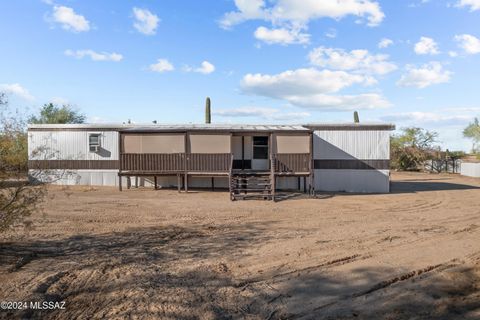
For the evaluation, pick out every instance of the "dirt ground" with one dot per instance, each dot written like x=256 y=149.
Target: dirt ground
x=145 y=254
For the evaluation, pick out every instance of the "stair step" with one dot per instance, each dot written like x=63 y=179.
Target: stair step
x=251 y=186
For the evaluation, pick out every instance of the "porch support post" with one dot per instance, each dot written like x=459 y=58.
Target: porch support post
x=272 y=166
x=179 y=182
x=311 y=188
x=155 y=182
x=120 y=164
x=186 y=162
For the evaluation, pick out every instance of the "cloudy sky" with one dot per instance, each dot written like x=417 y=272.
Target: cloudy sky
x=409 y=62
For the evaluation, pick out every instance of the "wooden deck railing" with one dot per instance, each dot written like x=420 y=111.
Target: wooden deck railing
x=292 y=162
x=205 y=162
x=159 y=162
x=209 y=162
x=175 y=162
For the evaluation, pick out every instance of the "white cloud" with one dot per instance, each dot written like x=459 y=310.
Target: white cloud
x=425 y=76
x=473 y=4
x=69 y=19
x=419 y=117
x=298 y=82
x=95 y=56
x=462 y=109
x=312 y=88
x=385 y=43
x=469 y=43
x=145 y=21
x=162 y=65
x=341 y=102
x=426 y=46
x=453 y=54
x=356 y=60
x=205 y=68
x=16 y=89
x=300 y=12
x=247 y=10
x=263 y=113
x=331 y=33
x=281 y=36
x=290 y=17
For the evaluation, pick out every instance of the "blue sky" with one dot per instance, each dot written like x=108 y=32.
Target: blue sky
x=409 y=62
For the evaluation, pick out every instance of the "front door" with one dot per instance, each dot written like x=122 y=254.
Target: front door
x=260 y=159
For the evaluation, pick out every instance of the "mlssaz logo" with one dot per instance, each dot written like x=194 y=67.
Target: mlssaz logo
x=47 y=305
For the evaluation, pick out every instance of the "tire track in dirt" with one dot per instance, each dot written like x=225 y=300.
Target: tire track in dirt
x=331 y=263
x=426 y=271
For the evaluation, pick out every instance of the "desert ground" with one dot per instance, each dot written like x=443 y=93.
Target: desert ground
x=146 y=254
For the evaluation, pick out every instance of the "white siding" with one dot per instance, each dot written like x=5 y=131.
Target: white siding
x=358 y=144
x=352 y=145
x=470 y=169
x=71 y=145
x=360 y=181
x=78 y=177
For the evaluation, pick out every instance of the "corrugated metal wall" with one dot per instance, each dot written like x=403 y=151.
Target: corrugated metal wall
x=352 y=145
x=71 y=145
x=361 y=181
x=470 y=169
x=339 y=144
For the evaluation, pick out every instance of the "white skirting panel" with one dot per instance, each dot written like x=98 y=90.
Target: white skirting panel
x=470 y=169
x=77 y=177
x=359 y=181
x=110 y=178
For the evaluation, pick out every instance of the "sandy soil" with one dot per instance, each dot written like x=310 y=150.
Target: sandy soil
x=145 y=254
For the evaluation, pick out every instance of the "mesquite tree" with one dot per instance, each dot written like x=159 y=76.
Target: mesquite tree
x=411 y=148
x=18 y=197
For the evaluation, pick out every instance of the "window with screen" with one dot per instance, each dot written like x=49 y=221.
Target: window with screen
x=260 y=147
x=94 y=142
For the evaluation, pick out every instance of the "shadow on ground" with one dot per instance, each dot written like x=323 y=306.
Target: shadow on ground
x=174 y=272
x=422 y=185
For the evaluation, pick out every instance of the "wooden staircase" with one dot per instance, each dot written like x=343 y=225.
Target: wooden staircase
x=251 y=186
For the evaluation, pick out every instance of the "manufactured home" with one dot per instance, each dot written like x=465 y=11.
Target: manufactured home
x=246 y=159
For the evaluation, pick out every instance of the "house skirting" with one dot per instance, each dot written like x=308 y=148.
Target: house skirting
x=110 y=178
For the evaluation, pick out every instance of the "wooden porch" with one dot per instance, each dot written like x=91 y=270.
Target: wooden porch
x=189 y=154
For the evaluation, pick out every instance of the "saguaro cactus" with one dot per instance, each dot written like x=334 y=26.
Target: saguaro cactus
x=356 y=119
x=208 y=117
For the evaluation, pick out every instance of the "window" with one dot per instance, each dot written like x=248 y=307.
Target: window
x=260 y=147
x=94 y=142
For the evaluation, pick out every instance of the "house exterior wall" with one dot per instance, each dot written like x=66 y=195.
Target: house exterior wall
x=352 y=160
x=345 y=160
x=470 y=169
x=71 y=145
